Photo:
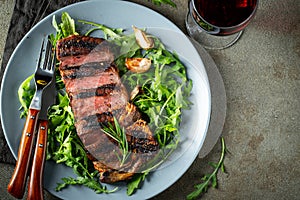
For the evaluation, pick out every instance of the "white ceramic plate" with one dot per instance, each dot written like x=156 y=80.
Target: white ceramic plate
x=117 y=14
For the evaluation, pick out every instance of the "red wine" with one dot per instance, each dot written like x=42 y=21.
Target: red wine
x=223 y=17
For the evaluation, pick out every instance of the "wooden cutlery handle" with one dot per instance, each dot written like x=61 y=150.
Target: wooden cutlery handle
x=16 y=186
x=35 y=186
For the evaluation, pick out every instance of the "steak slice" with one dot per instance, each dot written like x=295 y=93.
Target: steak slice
x=97 y=97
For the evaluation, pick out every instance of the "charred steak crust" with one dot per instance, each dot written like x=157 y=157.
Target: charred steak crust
x=97 y=95
x=76 y=45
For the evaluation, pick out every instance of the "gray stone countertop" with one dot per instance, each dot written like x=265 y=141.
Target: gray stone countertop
x=261 y=73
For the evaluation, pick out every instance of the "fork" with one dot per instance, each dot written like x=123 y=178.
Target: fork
x=43 y=77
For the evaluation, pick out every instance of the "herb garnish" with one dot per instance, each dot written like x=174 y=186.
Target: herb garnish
x=210 y=179
x=117 y=133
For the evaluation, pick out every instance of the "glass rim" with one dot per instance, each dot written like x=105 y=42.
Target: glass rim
x=225 y=27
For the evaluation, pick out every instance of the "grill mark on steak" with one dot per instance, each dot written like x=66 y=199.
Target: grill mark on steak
x=87 y=69
x=97 y=95
x=109 y=76
x=105 y=119
x=92 y=57
x=107 y=89
x=103 y=90
x=141 y=139
x=89 y=65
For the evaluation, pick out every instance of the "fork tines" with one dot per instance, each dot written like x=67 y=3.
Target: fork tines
x=48 y=55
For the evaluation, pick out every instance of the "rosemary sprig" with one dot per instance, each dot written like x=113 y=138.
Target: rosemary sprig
x=117 y=133
x=210 y=179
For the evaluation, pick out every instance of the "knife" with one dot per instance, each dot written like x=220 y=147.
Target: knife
x=43 y=75
x=35 y=185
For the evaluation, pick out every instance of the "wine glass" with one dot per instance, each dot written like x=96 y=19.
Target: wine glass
x=218 y=24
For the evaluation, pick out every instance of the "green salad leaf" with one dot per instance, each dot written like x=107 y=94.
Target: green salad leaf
x=165 y=93
x=25 y=94
x=134 y=184
x=63 y=29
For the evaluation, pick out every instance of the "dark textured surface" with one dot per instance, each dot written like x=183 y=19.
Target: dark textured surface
x=261 y=74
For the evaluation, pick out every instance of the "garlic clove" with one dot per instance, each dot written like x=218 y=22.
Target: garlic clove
x=134 y=92
x=138 y=65
x=142 y=39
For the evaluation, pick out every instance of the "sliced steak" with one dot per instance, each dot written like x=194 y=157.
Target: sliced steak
x=97 y=96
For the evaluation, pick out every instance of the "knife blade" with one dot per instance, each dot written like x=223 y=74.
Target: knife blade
x=42 y=77
x=35 y=185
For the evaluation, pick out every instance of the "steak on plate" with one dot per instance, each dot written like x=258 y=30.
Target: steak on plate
x=97 y=96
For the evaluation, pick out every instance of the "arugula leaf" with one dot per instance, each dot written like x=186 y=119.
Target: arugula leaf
x=166 y=90
x=92 y=184
x=135 y=182
x=68 y=25
x=210 y=179
x=25 y=94
x=63 y=29
x=108 y=32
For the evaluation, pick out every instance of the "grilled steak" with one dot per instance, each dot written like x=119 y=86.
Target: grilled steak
x=97 y=95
